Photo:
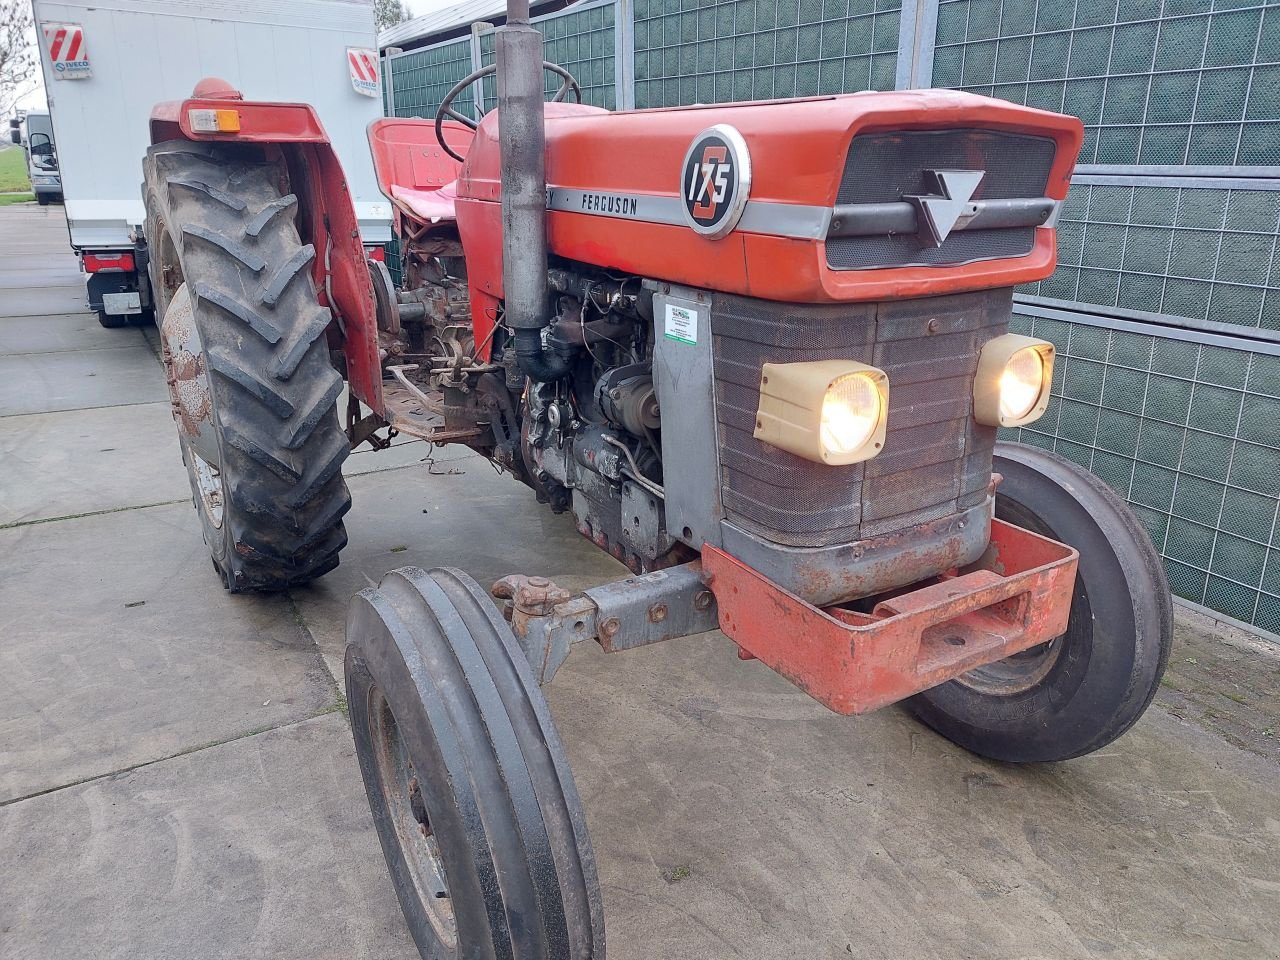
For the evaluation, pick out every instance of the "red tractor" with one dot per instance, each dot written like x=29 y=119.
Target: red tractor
x=760 y=352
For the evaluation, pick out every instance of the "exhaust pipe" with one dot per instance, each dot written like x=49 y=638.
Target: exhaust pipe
x=522 y=144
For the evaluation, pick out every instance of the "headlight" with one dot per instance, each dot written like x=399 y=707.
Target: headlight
x=44 y=181
x=828 y=411
x=1013 y=381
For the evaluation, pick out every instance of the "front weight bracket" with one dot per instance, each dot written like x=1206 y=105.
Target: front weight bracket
x=547 y=620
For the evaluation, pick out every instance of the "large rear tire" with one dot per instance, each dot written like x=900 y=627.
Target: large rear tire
x=1080 y=691
x=467 y=780
x=247 y=362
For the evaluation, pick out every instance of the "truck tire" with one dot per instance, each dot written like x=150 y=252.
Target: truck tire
x=112 y=321
x=1080 y=691
x=246 y=358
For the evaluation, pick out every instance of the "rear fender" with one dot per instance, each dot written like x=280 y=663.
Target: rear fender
x=326 y=216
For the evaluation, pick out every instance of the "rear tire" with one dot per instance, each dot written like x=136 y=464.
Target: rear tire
x=43 y=199
x=1080 y=691
x=468 y=783
x=113 y=321
x=248 y=363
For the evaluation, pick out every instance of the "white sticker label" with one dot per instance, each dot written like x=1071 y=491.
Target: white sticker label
x=682 y=324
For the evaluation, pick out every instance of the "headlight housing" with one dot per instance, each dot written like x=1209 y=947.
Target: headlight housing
x=828 y=411
x=1015 y=374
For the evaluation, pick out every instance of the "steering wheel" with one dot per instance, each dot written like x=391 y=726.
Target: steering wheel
x=568 y=85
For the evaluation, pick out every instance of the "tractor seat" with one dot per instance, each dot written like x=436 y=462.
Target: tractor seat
x=430 y=206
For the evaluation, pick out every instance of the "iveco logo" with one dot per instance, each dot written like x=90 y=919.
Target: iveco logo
x=946 y=205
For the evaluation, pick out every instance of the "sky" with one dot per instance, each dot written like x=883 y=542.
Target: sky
x=35 y=99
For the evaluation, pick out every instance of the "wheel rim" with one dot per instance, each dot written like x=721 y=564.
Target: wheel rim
x=1014 y=674
x=401 y=793
x=1027 y=669
x=208 y=483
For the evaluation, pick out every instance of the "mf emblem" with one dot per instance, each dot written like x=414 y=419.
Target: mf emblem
x=946 y=206
x=716 y=181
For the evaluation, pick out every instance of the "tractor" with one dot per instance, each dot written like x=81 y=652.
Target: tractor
x=758 y=351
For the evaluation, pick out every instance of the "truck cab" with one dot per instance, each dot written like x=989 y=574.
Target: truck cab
x=36 y=136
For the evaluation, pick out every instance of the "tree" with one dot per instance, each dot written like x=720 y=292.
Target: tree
x=387 y=13
x=17 y=53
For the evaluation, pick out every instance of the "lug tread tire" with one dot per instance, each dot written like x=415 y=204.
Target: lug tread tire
x=273 y=388
x=1109 y=669
x=494 y=774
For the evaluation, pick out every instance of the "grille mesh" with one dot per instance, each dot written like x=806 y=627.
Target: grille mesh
x=884 y=167
x=936 y=460
x=967 y=246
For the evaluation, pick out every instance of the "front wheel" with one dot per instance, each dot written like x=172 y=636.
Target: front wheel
x=469 y=786
x=1082 y=690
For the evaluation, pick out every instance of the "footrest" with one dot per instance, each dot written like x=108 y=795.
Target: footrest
x=855 y=662
x=416 y=414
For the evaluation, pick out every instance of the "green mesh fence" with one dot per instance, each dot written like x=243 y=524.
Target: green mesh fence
x=703 y=51
x=421 y=78
x=1195 y=253
x=582 y=43
x=1178 y=82
x=1185 y=432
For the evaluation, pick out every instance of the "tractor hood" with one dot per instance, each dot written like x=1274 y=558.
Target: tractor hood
x=855 y=197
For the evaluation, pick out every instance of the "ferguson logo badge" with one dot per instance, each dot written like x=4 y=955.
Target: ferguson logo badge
x=716 y=181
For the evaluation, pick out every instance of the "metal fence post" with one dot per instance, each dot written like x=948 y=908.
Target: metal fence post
x=390 y=52
x=477 y=61
x=917 y=35
x=624 y=54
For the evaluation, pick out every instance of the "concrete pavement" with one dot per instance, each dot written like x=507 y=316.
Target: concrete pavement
x=177 y=778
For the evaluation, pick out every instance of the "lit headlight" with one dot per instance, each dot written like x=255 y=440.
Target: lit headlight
x=828 y=411
x=1012 y=385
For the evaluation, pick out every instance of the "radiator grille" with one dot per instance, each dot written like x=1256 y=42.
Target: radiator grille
x=885 y=167
x=936 y=460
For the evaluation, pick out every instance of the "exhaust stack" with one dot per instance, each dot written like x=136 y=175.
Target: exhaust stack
x=522 y=144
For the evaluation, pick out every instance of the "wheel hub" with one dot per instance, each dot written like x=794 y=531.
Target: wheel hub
x=191 y=401
x=408 y=813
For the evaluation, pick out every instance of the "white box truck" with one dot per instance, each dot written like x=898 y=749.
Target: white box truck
x=107 y=62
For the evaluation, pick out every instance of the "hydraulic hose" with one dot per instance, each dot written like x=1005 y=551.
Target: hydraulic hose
x=538 y=363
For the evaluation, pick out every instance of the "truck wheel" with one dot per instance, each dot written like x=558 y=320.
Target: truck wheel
x=469 y=785
x=242 y=336
x=1082 y=690
x=112 y=321
x=42 y=199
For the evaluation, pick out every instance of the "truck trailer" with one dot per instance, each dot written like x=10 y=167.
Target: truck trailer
x=105 y=64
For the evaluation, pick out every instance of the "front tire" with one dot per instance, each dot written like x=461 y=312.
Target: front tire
x=1080 y=691
x=468 y=783
x=246 y=358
